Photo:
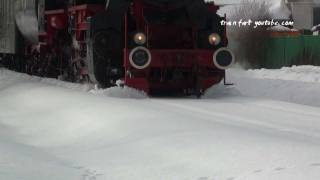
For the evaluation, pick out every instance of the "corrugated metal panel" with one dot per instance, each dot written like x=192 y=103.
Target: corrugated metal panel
x=303 y=16
x=8 y=33
x=288 y=51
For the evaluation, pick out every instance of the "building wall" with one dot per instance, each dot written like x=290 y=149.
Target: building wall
x=7 y=27
x=302 y=15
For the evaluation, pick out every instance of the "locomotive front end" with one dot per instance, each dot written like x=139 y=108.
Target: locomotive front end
x=169 y=52
x=157 y=46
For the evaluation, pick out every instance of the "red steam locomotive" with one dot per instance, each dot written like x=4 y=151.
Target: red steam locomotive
x=171 y=46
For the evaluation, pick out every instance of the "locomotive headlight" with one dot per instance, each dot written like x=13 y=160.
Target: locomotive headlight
x=214 y=39
x=140 y=58
x=223 y=58
x=140 y=38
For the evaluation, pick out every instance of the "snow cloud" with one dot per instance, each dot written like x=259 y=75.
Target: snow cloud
x=278 y=8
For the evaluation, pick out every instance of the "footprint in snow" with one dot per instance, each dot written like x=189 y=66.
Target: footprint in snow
x=315 y=165
x=279 y=169
x=203 y=178
x=78 y=167
x=90 y=175
x=257 y=171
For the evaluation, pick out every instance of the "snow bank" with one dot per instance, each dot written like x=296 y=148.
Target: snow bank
x=117 y=92
x=297 y=84
x=295 y=73
x=221 y=91
x=120 y=92
x=10 y=77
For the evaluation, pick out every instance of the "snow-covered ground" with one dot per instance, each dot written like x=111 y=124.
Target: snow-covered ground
x=258 y=129
x=298 y=84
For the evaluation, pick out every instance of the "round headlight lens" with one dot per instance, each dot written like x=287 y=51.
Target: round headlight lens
x=214 y=39
x=140 y=38
x=140 y=58
x=223 y=58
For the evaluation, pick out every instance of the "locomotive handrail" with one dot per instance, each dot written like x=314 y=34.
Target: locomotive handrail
x=146 y=29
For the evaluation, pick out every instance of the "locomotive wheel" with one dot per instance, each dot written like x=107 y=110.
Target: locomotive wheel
x=107 y=57
x=101 y=43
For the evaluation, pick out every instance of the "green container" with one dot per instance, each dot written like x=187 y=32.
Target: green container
x=288 y=51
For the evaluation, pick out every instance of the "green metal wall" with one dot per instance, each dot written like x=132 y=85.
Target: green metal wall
x=288 y=51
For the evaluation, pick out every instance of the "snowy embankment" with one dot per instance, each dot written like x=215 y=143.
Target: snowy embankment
x=298 y=84
x=51 y=130
x=9 y=78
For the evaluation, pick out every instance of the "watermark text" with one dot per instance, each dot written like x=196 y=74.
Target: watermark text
x=255 y=24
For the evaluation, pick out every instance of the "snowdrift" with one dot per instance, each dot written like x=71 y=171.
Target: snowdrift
x=297 y=84
x=9 y=78
x=60 y=131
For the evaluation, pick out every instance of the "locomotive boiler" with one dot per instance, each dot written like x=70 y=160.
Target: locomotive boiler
x=157 y=46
